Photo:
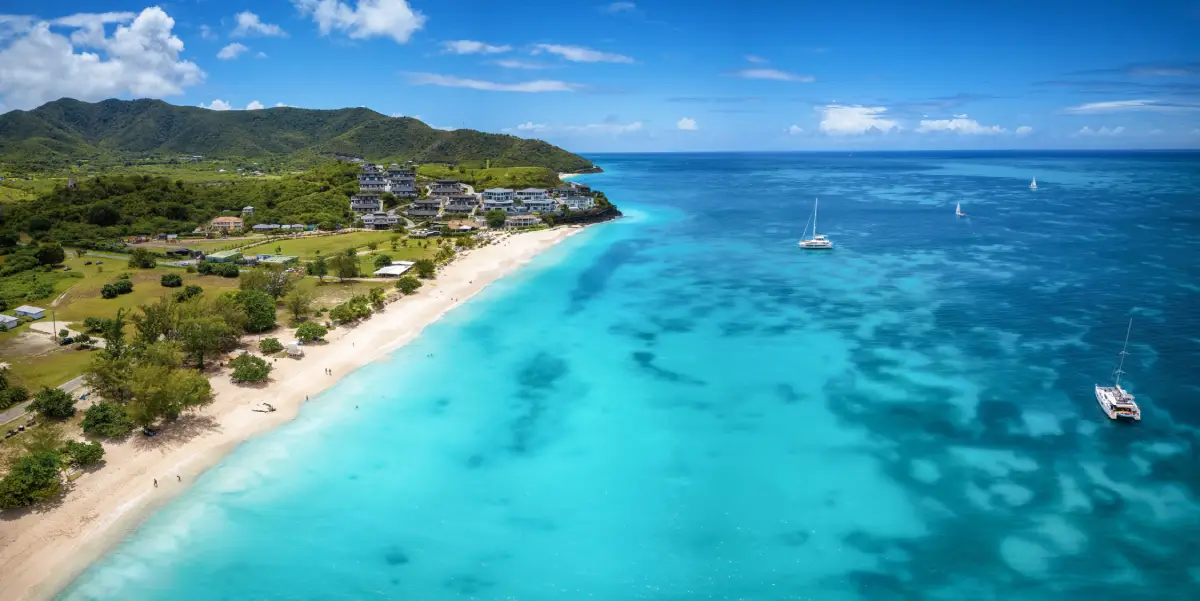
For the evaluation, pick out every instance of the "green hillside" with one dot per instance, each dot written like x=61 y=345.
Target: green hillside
x=59 y=133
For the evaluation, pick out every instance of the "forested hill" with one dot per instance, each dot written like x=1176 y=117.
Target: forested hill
x=67 y=130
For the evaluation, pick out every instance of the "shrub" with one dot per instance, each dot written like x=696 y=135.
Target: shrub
x=53 y=403
x=227 y=270
x=34 y=477
x=94 y=325
x=109 y=291
x=83 y=454
x=310 y=331
x=425 y=268
x=142 y=258
x=13 y=395
x=205 y=268
x=106 y=420
x=382 y=261
x=408 y=284
x=171 y=280
x=270 y=346
x=188 y=292
x=248 y=368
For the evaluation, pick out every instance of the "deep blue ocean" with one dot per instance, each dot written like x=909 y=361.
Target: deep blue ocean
x=683 y=405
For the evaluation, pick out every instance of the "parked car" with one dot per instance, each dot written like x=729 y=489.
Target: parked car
x=66 y=341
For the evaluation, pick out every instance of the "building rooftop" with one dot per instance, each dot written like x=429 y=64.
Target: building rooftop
x=497 y=190
x=396 y=268
x=225 y=254
x=29 y=308
x=227 y=219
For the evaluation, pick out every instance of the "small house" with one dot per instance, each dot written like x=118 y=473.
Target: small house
x=247 y=210
x=395 y=270
x=227 y=223
x=30 y=312
x=9 y=322
x=225 y=256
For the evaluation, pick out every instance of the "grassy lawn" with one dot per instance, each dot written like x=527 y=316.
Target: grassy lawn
x=507 y=177
x=36 y=361
x=312 y=246
x=366 y=263
x=82 y=298
x=13 y=194
x=206 y=245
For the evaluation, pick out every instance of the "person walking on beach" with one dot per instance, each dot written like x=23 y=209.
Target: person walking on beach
x=178 y=477
x=156 y=483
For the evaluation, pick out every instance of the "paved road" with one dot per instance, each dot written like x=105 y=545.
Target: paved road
x=19 y=410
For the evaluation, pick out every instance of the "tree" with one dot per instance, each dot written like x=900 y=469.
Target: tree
x=157 y=320
x=13 y=395
x=344 y=266
x=164 y=393
x=33 y=478
x=373 y=245
x=83 y=454
x=171 y=280
x=188 y=292
x=425 y=268
x=408 y=284
x=300 y=303
x=248 y=368
x=318 y=268
x=162 y=352
x=106 y=419
x=113 y=333
x=53 y=403
x=203 y=337
x=378 y=297
x=108 y=376
x=50 y=253
x=270 y=346
x=382 y=261
x=496 y=218
x=310 y=331
x=271 y=279
x=260 y=310
x=142 y=259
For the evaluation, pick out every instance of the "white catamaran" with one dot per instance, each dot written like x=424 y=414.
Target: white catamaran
x=1115 y=402
x=817 y=242
x=1033 y=184
x=958 y=210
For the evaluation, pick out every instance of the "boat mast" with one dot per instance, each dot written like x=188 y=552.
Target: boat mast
x=1121 y=364
x=815 y=200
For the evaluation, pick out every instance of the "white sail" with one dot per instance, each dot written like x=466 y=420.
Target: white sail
x=1033 y=184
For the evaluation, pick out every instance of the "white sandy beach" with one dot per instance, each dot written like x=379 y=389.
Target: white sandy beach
x=41 y=552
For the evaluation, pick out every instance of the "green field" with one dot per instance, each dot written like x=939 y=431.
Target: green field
x=505 y=177
x=203 y=244
x=8 y=194
x=310 y=247
x=83 y=299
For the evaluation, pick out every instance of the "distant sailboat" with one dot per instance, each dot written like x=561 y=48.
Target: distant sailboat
x=817 y=242
x=958 y=210
x=1114 y=400
x=1033 y=184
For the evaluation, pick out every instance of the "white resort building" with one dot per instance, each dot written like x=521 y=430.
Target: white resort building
x=371 y=182
x=529 y=194
x=461 y=203
x=366 y=203
x=446 y=187
x=579 y=203
x=380 y=220
x=544 y=204
x=500 y=199
x=426 y=207
x=402 y=182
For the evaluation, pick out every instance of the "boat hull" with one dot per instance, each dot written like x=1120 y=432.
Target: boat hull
x=1106 y=398
x=804 y=246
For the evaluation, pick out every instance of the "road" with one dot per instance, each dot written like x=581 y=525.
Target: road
x=19 y=410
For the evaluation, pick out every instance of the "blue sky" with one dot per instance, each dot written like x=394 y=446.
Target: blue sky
x=647 y=75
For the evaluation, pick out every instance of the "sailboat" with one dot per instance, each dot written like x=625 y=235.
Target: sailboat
x=1033 y=184
x=1114 y=400
x=817 y=242
x=958 y=210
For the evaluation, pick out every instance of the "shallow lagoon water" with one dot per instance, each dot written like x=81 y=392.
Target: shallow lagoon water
x=683 y=405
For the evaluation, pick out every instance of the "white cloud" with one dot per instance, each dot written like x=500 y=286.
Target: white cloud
x=231 y=51
x=89 y=19
x=755 y=59
x=579 y=54
x=606 y=127
x=1103 y=131
x=368 y=18
x=138 y=59
x=794 y=130
x=775 y=74
x=1024 y=130
x=217 y=105
x=206 y=33
x=254 y=105
x=249 y=24
x=687 y=124
x=281 y=105
x=620 y=7
x=1115 y=106
x=960 y=124
x=260 y=55
x=509 y=63
x=450 y=81
x=472 y=47
x=839 y=119
x=609 y=126
x=1156 y=132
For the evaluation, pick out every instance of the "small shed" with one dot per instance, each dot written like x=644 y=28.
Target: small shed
x=30 y=312
x=294 y=348
x=9 y=322
x=225 y=256
x=395 y=270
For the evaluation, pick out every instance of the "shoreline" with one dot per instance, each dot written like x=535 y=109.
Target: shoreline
x=43 y=552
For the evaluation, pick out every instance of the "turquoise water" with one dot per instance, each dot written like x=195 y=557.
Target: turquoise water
x=682 y=405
